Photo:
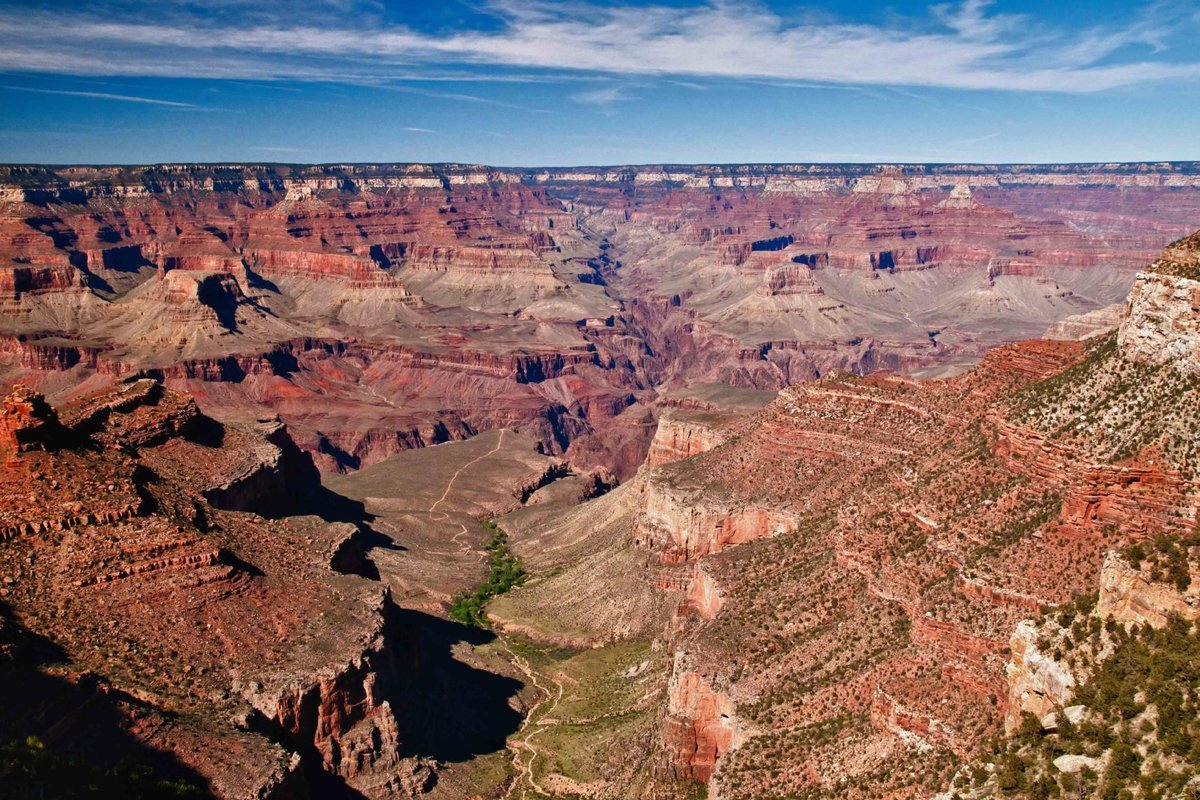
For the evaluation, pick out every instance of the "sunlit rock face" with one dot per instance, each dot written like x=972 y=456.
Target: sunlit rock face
x=377 y=308
x=1161 y=324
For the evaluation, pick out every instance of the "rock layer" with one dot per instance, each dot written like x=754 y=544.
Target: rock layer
x=610 y=287
x=115 y=546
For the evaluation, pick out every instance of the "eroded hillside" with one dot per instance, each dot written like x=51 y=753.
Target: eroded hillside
x=380 y=308
x=833 y=589
x=812 y=578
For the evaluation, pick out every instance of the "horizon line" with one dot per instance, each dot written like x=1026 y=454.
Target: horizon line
x=614 y=165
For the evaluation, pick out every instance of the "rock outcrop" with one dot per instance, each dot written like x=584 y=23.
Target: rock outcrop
x=1038 y=683
x=1043 y=682
x=157 y=590
x=271 y=475
x=27 y=422
x=1162 y=321
x=685 y=525
x=1130 y=597
x=701 y=724
x=681 y=435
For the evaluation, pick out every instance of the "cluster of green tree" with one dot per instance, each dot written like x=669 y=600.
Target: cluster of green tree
x=1152 y=755
x=1166 y=558
x=504 y=573
x=29 y=771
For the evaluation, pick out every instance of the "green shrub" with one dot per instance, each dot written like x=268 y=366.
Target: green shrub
x=504 y=572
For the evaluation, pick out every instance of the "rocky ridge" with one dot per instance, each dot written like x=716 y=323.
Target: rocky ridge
x=546 y=300
x=219 y=637
x=838 y=582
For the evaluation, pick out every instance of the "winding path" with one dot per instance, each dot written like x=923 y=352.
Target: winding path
x=519 y=745
x=460 y=470
x=442 y=516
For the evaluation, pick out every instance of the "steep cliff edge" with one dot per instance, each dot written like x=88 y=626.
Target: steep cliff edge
x=847 y=571
x=680 y=435
x=240 y=652
x=1162 y=318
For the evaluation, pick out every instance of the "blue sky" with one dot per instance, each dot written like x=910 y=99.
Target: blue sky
x=530 y=82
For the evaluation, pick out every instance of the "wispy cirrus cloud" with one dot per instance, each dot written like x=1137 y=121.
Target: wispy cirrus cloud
x=964 y=45
x=604 y=97
x=462 y=98
x=124 y=98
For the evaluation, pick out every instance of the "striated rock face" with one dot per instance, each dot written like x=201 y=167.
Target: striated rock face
x=789 y=280
x=1037 y=683
x=1128 y=596
x=19 y=281
x=1162 y=321
x=680 y=435
x=685 y=525
x=1142 y=499
x=701 y=724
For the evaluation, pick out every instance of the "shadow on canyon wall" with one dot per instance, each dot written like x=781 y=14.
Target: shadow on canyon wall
x=81 y=745
x=449 y=710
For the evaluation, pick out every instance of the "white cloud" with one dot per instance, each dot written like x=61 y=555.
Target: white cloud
x=603 y=97
x=962 y=45
x=125 y=98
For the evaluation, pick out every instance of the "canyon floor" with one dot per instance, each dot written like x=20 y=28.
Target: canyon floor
x=824 y=481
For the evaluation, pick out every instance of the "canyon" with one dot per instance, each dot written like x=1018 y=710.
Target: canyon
x=376 y=308
x=800 y=461
x=846 y=592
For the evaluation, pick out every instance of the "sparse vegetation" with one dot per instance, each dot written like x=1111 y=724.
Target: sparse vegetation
x=1117 y=409
x=1165 y=558
x=1140 y=730
x=31 y=771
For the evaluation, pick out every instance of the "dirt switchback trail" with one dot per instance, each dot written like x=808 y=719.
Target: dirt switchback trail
x=460 y=470
x=522 y=740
